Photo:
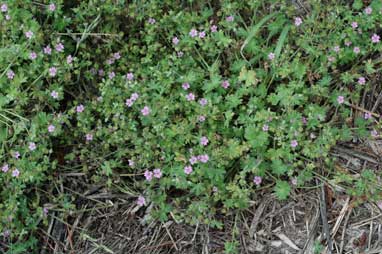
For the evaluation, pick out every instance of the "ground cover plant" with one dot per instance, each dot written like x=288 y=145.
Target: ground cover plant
x=189 y=107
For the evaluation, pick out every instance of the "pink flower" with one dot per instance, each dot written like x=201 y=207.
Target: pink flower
x=271 y=56
x=15 y=173
x=7 y=17
x=214 y=29
x=304 y=121
x=16 y=154
x=175 y=40
x=188 y=170
x=193 y=160
x=257 y=180
x=110 y=61
x=80 y=108
x=145 y=111
x=131 y=163
x=203 y=158
x=59 y=47
x=203 y=101
x=134 y=96
x=297 y=21
x=52 y=71
x=148 y=175
x=354 y=25
x=229 y=18
x=331 y=58
x=101 y=72
x=361 y=80
x=193 y=33
x=51 y=128
x=130 y=76
x=225 y=84
x=45 y=211
x=10 y=74
x=190 y=97
x=52 y=7
x=54 y=94
x=116 y=55
x=89 y=137
x=157 y=173
x=367 y=115
x=368 y=10
x=374 y=134
x=186 y=86
x=179 y=53
x=129 y=102
x=336 y=48
x=294 y=181
x=4 y=8
x=29 y=34
x=202 y=34
x=265 y=127
x=340 y=99
x=32 y=146
x=32 y=55
x=294 y=143
x=69 y=59
x=47 y=50
x=5 y=168
x=111 y=75
x=356 y=50
x=204 y=141
x=151 y=21
x=348 y=43
x=141 y=201
x=201 y=118
x=375 y=38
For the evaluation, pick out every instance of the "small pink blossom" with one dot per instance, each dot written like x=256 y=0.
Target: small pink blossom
x=52 y=71
x=175 y=40
x=265 y=127
x=304 y=120
x=225 y=84
x=111 y=75
x=201 y=118
x=193 y=160
x=32 y=146
x=374 y=134
x=203 y=158
x=356 y=50
x=51 y=128
x=47 y=50
x=186 y=86
x=348 y=43
x=157 y=173
x=4 y=8
x=69 y=59
x=294 y=143
x=80 y=108
x=129 y=102
x=145 y=111
x=10 y=74
x=52 y=7
x=151 y=21
x=354 y=25
x=101 y=72
x=130 y=76
x=271 y=56
x=5 y=168
x=331 y=58
x=16 y=154
x=179 y=53
x=45 y=211
x=257 y=180
x=214 y=29
x=229 y=18
x=141 y=201
x=131 y=163
x=89 y=137
x=375 y=38
x=368 y=10
x=59 y=47
x=297 y=21
x=134 y=96
x=190 y=97
x=361 y=80
x=110 y=61
x=188 y=169
x=15 y=173
x=148 y=175
x=294 y=181
x=367 y=115
x=203 y=101
x=32 y=55
x=336 y=49
x=116 y=55
x=193 y=33
x=204 y=141
x=340 y=99
x=7 y=17
x=29 y=34
x=54 y=94
x=202 y=34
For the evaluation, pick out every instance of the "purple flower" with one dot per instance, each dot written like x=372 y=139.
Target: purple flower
x=203 y=158
x=265 y=127
x=4 y=8
x=271 y=56
x=375 y=38
x=51 y=128
x=294 y=143
x=59 y=47
x=331 y=58
x=151 y=21
x=348 y=43
x=111 y=75
x=190 y=97
x=175 y=40
x=54 y=94
x=204 y=141
x=131 y=163
x=80 y=108
x=32 y=146
x=15 y=173
x=202 y=34
x=145 y=111
x=69 y=59
x=356 y=50
x=157 y=173
x=374 y=134
x=201 y=118
x=101 y=72
x=129 y=102
x=354 y=25
x=5 y=168
x=52 y=71
x=89 y=137
x=229 y=18
x=134 y=96
x=45 y=211
x=130 y=76
x=193 y=160
x=214 y=29
x=225 y=84
x=32 y=55
x=52 y=7
x=148 y=175
x=188 y=169
x=16 y=154
x=141 y=201
x=116 y=55
x=29 y=34
x=193 y=33
x=186 y=86
x=10 y=74
x=203 y=101
x=368 y=10
x=297 y=21
x=361 y=80
x=294 y=181
x=336 y=49
x=7 y=17
x=110 y=61
x=179 y=53
x=340 y=99
x=257 y=180
x=47 y=50
x=367 y=115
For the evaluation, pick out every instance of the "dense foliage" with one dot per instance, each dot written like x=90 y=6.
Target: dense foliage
x=194 y=105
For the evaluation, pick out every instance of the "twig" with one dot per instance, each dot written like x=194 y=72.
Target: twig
x=344 y=231
x=326 y=230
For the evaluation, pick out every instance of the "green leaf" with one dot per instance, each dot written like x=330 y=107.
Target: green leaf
x=282 y=190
